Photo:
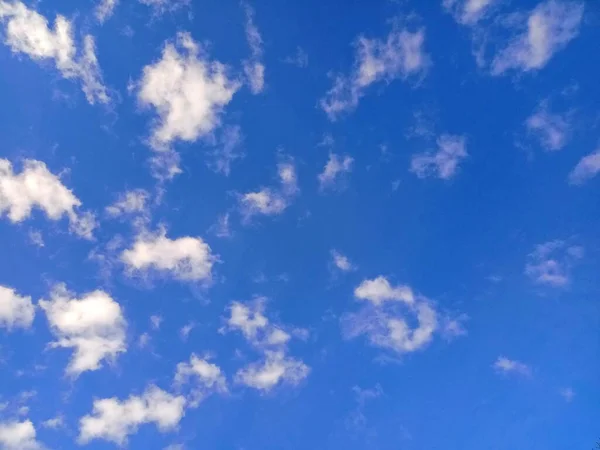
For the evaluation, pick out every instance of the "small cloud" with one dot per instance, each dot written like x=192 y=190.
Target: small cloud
x=335 y=168
x=550 y=263
x=445 y=162
x=254 y=68
x=551 y=129
x=299 y=59
x=54 y=423
x=568 y=394
x=185 y=331
x=341 y=262
x=36 y=238
x=586 y=169
x=507 y=366
x=156 y=321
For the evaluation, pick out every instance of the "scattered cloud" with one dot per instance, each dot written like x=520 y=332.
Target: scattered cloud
x=276 y=368
x=156 y=321
x=548 y=28
x=379 y=290
x=399 y=55
x=508 y=366
x=28 y=32
x=92 y=325
x=341 y=262
x=37 y=187
x=469 y=12
x=114 y=420
x=105 y=9
x=160 y=7
x=568 y=394
x=227 y=150
x=207 y=377
x=54 y=423
x=15 y=311
x=254 y=68
x=187 y=90
x=130 y=202
x=551 y=129
x=186 y=258
x=334 y=170
x=299 y=59
x=444 y=163
x=36 y=238
x=586 y=169
x=19 y=436
x=222 y=227
x=550 y=263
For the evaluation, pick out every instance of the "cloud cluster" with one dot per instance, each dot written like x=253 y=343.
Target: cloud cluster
x=15 y=311
x=443 y=163
x=399 y=56
x=275 y=367
x=92 y=325
x=550 y=263
x=37 y=187
x=28 y=32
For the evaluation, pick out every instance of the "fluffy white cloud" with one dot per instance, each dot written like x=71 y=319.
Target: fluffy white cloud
x=186 y=258
x=336 y=167
x=444 y=163
x=187 y=90
x=254 y=68
x=248 y=321
x=551 y=129
x=37 y=187
x=399 y=56
x=468 y=12
x=207 y=377
x=550 y=263
x=114 y=420
x=379 y=290
x=275 y=369
x=18 y=436
x=587 y=168
x=15 y=311
x=28 y=32
x=549 y=28
x=271 y=201
x=92 y=325
x=341 y=262
x=509 y=366
x=130 y=202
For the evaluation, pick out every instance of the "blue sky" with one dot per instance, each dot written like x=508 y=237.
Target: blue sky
x=290 y=225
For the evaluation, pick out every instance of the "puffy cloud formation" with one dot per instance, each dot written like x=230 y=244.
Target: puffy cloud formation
x=207 y=378
x=15 y=311
x=28 y=32
x=399 y=56
x=186 y=258
x=114 y=420
x=276 y=368
x=187 y=91
x=548 y=29
x=37 y=187
x=335 y=168
x=383 y=318
x=92 y=325
x=550 y=263
x=254 y=68
x=444 y=163
x=509 y=366
x=552 y=130
x=18 y=436
x=272 y=201
x=469 y=12
x=587 y=168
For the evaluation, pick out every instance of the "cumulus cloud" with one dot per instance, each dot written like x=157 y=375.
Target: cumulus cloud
x=92 y=325
x=186 y=258
x=207 y=378
x=130 y=202
x=399 y=55
x=469 y=12
x=28 y=32
x=254 y=68
x=551 y=129
x=549 y=27
x=187 y=90
x=276 y=368
x=508 y=366
x=341 y=262
x=444 y=163
x=335 y=168
x=114 y=420
x=15 y=311
x=379 y=290
x=586 y=169
x=550 y=263
x=18 y=436
x=37 y=187
x=271 y=201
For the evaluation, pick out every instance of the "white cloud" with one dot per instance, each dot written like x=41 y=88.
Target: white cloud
x=160 y=7
x=221 y=228
x=341 y=262
x=568 y=394
x=509 y=366
x=468 y=12
x=399 y=56
x=37 y=187
x=550 y=27
x=444 y=163
x=156 y=321
x=208 y=378
x=552 y=130
x=18 y=436
x=379 y=290
x=254 y=68
x=36 y=238
x=130 y=202
x=186 y=258
x=92 y=325
x=335 y=168
x=248 y=321
x=550 y=263
x=586 y=169
x=114 y=420
x=28 y=32
x=54 y=423
x=15 y=311
x=105 y=9
x=276 y=368
x=187 y=90
x=271 y=201
x=226 y=150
